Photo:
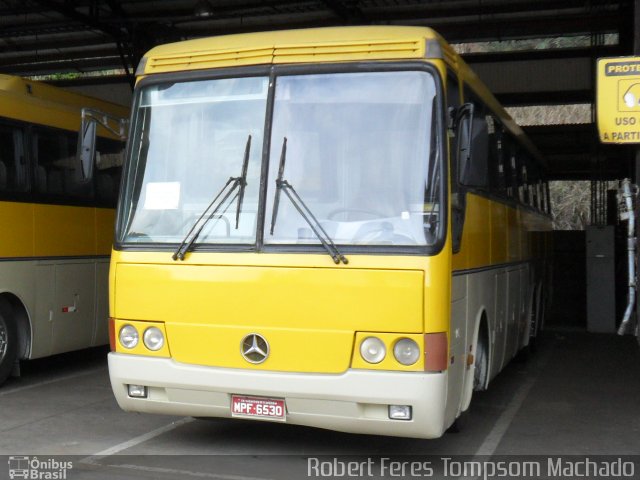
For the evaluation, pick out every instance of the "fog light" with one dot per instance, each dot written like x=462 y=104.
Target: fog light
x=406 y=351
x=137 y=391
x=128 y=336
x=372 y=350
x=153 y=338
x=400 y=412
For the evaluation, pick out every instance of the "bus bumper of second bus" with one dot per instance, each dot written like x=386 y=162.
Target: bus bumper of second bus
x=357 y=401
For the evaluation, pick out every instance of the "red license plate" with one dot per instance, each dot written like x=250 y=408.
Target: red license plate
x=258 y=407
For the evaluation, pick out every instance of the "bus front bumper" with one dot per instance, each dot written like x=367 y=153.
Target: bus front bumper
x=356 y=401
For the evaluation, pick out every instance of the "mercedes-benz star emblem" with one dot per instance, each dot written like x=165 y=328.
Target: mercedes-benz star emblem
x=254 y=348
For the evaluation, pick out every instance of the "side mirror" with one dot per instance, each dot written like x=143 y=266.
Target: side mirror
x=86 y=151
x=86 y=148
x=472 y=133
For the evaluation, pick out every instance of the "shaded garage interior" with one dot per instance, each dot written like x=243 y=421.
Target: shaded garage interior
x=529 y=53
x=536 y=56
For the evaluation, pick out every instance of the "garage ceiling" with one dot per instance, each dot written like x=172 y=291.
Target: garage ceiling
x=43 y=36
x=39 y=37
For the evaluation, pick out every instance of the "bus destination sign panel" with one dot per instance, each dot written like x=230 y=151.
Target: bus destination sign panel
x=618 y=100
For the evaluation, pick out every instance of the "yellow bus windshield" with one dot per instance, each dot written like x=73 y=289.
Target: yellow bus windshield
x=361 y=154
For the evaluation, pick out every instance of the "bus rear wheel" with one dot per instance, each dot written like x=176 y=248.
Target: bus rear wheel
x=8 y=344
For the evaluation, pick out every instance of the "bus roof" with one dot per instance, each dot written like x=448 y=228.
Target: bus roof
x=329 y=44
x=42 y=104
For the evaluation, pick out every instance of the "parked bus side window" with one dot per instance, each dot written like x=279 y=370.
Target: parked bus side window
x=54 y=153
x=13 y=168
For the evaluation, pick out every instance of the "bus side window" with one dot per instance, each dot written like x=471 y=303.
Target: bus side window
x=54 y=151
x=534 y=182
x=496 y=162
x=108 y=170
x=13 y=171
x=499 y=182
x=511 y=168
x=523 y=181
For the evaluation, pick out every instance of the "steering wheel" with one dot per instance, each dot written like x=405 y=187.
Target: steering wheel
x=372 y=213
x=381 y=233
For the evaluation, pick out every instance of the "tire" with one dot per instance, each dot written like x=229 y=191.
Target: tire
x=481 y=370
x=460 y=423
x=8 y=344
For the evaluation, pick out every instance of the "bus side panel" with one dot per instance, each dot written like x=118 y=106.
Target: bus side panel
x=475 y=253
x=17 y=238
x=64 y=231
x=104 y=221
x=457 y=347
x=42 y=313
x=74 y=312
x=513 y=315
x=526 y=292
x=104 y=225
x=481 y=303
x=499 y=252
x=514 y=248
x=101 y=330
x=497 y=325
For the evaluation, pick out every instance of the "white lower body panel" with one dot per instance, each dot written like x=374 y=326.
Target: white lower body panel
x=356 y=401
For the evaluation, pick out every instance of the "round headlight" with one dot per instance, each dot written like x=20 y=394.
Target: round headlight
x=129 y=336
x=406 y=351
x=372 y=350
x=153 y=338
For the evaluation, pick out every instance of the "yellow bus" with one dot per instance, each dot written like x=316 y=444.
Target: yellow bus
x=335 y=227
x=57 y=221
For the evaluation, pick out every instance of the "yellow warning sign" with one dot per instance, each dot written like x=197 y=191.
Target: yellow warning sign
x=618 y=99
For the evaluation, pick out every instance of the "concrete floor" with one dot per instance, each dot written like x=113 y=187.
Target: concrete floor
x=578 y=395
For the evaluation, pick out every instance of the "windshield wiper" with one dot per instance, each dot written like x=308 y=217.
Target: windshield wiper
x=232 y=184
x=243 y=179
x=308 y=216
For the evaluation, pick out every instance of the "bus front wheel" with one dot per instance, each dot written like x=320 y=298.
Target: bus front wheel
x=8 y=343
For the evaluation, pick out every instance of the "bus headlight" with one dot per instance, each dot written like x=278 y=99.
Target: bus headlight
x=406 y=351
x=153 y=338
x=372 y=349
x=128 y=336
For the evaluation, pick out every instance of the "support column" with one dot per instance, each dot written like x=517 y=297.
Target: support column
x=636 y=52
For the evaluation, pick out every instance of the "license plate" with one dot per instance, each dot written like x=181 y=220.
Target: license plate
x=258 y=407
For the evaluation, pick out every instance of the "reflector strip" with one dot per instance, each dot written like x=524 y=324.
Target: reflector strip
x=435 y=352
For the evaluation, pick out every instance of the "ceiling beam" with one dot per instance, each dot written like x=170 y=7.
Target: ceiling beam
x=542 y=54
x=71 y=13
x=43 y=43
x=471 y=31
x=72 y=65
x=18 y=61
x=487 y=8
x=350 y=14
